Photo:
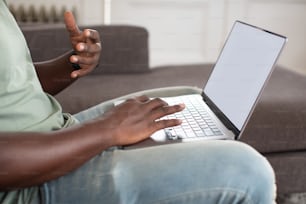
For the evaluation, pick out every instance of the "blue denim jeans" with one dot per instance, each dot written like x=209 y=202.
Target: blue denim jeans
x=195 y=172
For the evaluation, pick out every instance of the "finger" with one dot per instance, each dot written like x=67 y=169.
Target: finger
x=166 y=110
x=79 y=73
x=162 y=124
x=142 y=98
x=73 y=59
x=84 y=60
x=93 y=35
x=156 y=103
x=90 y=48
x=71 y=25
x=74 y=75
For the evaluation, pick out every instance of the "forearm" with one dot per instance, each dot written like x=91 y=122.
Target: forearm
x=29 y=159
x=55 y=74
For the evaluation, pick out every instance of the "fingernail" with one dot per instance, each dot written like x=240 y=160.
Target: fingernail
x=81 y=47
x=74 y=59
x=87 y=33
x=74 y=75
x=182 y=105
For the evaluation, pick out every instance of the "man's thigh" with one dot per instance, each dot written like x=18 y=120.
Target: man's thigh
x=197 y=172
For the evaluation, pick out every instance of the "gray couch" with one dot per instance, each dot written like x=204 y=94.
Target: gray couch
x=277 y=128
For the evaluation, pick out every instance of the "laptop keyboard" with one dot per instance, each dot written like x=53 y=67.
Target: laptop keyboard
x=196 y=121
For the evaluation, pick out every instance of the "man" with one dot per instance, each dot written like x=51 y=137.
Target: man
x=50 y=157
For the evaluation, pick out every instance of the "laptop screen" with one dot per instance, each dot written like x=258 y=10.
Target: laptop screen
x=241 y=71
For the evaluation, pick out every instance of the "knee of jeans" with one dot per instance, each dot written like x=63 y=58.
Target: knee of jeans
x=260 y=177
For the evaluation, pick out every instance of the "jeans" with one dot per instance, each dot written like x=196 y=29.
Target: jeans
x=195 y=172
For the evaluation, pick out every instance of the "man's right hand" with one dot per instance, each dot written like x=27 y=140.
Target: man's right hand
x=138 y=118
x=49 y=155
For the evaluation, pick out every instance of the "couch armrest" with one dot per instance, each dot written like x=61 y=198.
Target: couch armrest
x=124 y=47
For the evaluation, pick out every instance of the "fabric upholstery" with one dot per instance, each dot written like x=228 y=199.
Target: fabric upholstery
x=124 y=48
x=277 y=128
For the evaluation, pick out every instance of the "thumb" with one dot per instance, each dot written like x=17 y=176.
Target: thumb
x=70 y=23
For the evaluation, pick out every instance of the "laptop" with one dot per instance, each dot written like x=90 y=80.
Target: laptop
x=231 y=92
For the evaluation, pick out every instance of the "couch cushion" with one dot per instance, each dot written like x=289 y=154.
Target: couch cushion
x=279 y=121
x=277 y=124
x=91 y=90
x=124 y=48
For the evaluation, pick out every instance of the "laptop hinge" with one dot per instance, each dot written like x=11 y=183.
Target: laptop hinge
x=228 y=124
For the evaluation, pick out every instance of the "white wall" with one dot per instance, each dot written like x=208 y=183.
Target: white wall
x=193 y=31
x=178 y=29
x=183 y=31
x=286 y=17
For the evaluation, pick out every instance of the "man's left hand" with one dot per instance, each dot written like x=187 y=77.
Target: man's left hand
x=86 y=44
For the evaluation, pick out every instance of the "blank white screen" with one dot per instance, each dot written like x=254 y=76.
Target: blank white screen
x=241 y=71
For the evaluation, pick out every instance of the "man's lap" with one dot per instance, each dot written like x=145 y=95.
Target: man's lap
x=170 y=173
x=186 y=173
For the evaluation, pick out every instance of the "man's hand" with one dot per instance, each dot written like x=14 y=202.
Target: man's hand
x=138 y=118
x=86 y=44
x=50 y=155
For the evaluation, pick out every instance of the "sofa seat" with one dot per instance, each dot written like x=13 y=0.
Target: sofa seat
x=277 y=127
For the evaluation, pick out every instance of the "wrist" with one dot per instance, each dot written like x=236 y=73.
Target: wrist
x=103 y=133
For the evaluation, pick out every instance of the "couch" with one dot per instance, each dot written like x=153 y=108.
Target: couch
x=277 y=129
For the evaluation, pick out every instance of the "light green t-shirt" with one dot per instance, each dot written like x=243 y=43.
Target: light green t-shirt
x=23 y=104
